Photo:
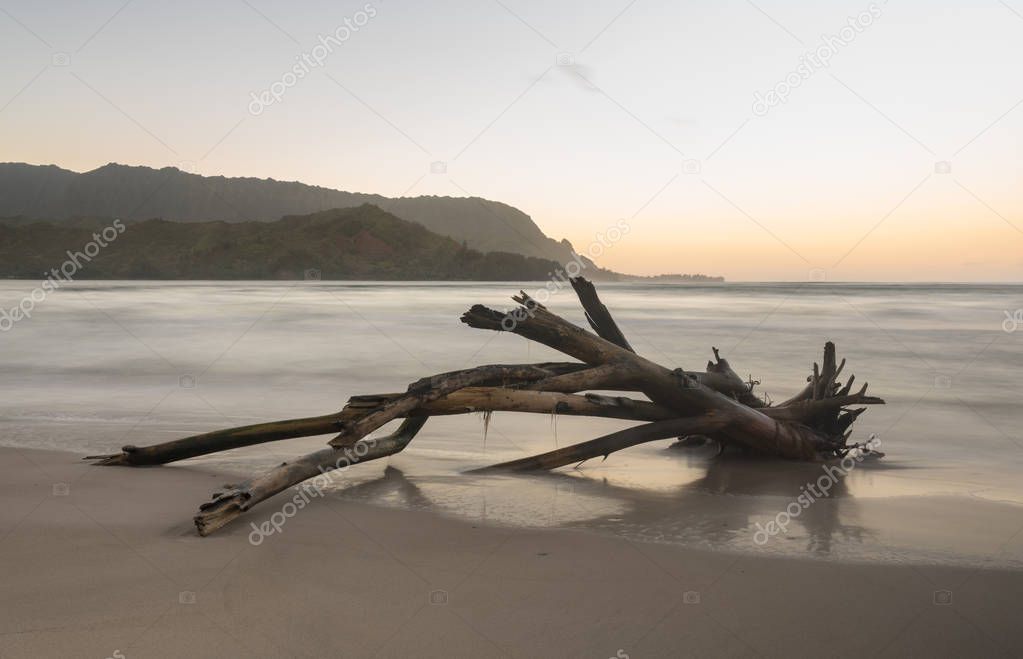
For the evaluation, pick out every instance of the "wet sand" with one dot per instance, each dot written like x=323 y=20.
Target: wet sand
x=104 y=562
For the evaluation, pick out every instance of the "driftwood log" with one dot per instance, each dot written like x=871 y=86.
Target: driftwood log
x=715 y=403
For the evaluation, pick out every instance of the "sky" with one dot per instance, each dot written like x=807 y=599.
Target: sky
x=767 y=140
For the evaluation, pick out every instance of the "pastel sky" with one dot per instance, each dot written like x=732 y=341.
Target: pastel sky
x=900 y=159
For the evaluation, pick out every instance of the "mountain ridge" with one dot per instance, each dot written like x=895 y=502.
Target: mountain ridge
x=364 y=242
x=135 y=192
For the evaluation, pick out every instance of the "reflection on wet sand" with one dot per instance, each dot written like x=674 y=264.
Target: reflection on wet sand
x=718 y=508
x=721 y=508
x=393 y=482
x=693 y=498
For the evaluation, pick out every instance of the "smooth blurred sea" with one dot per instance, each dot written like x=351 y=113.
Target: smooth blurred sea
x=103 y=364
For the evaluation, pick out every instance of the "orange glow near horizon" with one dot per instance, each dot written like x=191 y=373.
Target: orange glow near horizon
x=959 y=255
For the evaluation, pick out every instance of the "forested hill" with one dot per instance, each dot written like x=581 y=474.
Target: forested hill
x=364 y=242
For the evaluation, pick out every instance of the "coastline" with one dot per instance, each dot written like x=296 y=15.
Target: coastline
x=112 y=564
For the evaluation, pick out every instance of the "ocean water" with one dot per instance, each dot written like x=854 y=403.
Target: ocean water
x=103 y=364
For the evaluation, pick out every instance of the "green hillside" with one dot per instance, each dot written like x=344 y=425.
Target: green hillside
x=363 y=242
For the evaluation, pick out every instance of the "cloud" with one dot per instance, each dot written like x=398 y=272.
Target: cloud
x=579 y=75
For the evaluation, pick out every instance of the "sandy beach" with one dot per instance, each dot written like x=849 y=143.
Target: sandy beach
x=104 y=562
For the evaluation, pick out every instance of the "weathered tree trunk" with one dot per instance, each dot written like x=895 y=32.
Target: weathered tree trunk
x=430 y=389
x=672 y=389
x=228 y=505
x=598 y=315
x=221 y=440
x=719 y=375
x=616 y=441
x=463 y=401
x=717 y=403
